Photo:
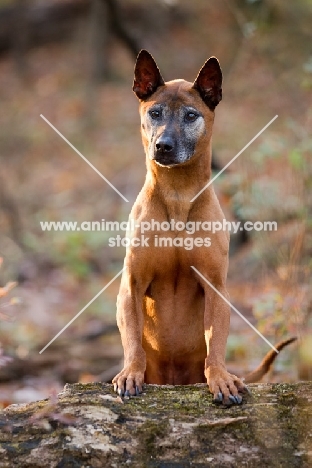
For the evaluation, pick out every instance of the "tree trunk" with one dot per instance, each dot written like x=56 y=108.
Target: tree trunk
x=100 y=41
x=20 y=36
x=88 y=426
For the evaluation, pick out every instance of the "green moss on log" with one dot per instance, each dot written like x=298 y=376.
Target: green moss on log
x=166 y=427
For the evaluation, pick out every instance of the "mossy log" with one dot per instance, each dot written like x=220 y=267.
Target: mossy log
x=88 y=426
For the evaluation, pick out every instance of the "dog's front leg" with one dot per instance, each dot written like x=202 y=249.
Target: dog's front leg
x=224 y=386
x=130 y=323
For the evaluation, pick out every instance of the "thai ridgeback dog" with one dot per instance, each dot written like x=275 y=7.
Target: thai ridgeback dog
x=173 y=325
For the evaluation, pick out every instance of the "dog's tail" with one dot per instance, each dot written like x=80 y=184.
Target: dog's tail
x=266 y=362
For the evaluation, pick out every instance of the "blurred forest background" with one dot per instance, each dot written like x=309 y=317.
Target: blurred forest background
x=72 y=61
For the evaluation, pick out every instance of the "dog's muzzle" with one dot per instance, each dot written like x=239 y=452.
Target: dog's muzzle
x=165 y=153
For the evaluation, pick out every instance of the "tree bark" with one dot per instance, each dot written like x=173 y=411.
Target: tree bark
x=43 y=23
x=100 y=41
x=20 y=36
x=88 y=426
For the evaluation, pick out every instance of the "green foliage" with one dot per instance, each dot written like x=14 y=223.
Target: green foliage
x=297 y=159
x=236 y=348
x=75 y=250
x=260 y=192
x=269 y=313
x=278 y=313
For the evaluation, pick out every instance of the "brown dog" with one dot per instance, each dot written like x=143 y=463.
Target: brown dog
x=173 y=325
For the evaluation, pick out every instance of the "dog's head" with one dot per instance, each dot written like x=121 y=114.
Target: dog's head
x=176 y=116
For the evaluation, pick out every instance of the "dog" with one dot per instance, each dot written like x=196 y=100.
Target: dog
x=173 y=324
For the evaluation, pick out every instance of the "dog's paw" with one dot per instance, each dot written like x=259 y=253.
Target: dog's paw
x=227 y=389
x=128 y=382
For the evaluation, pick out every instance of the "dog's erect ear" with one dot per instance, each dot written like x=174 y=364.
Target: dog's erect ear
x=147 y=76
x=209 y=83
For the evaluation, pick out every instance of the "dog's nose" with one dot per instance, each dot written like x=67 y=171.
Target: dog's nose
x=164 y=144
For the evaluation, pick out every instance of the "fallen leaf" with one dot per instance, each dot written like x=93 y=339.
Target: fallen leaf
x=116 y=399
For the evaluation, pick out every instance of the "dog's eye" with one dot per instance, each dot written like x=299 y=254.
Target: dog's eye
x=190 y=116
x=155 y=114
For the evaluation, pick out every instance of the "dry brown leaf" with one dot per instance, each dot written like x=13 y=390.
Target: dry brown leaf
x=44 y=412
x=7 y=288
x=64 y=418
x=116 y=399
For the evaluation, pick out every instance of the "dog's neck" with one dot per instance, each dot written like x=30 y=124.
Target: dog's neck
x=176 y=186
